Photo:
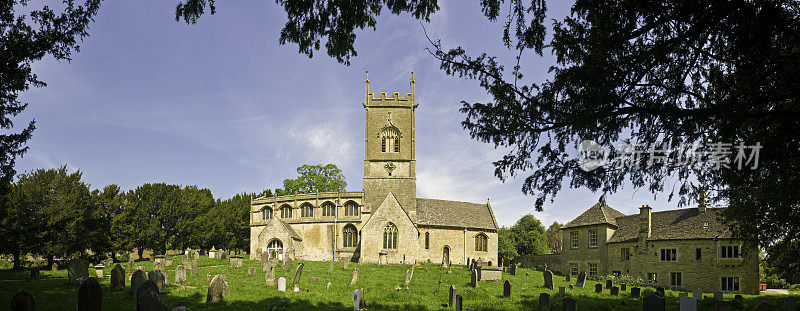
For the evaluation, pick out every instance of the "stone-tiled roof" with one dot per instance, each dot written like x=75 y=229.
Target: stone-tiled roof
x=288 y=227
x=455 y=214
x=677 y=224
x=595 y=215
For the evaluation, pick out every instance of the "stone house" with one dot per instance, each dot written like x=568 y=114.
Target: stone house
x=680 y=249
x=384 y=223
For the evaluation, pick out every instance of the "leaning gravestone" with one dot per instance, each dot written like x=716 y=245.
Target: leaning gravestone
x=330 y=267
x=281 y=284
x=407 y=279
x=117 y=278
x=548 y=279
x=158 y=278
x=137 y=279
x=614 y=291
x=653 y=303
x=297 y=274
x=507 y=289
x=77 y=268
x=148 y=298
x=635 y=292
x=451 y=296
x=598 y=288
x=688 y=303
x=790 y=303
x=608 y=284
x=473 y=281
x=269 y=276
x=697 y=294
x=218 y=289
x=722 y=305
x=195 y=267
x=180 y=274
x=22 y=301
x=354 y=277
x=287 y=264
x=90 y=296
x=568 y=304
x=544 y=301
x=459 y=302
x=581 y=279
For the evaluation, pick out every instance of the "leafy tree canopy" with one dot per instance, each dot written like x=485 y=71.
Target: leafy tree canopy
x=315 y=178
x=530 y=237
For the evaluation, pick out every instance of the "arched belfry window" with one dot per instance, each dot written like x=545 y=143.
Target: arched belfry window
x=306 y=210
x=266 y=213
x=390 y=137
x=481 y=243
x=350 y=236
x=286 y=211
x=328 y=209
x=390 y=236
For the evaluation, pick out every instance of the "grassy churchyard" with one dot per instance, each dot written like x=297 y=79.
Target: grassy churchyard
x=382 y=284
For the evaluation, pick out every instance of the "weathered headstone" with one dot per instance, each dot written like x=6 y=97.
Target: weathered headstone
x=209 y=277
x=512 y=269
x=635 y=292
x=614 y=291
x=608 y=284
x=717 y=295
x=98 y=271
x=459 y=302
x=697 y=294
x=544 y=301
x=764 y=306
x=451 y=295
x=117 y=278
x=23 y=301
x=407 y=279
x=363 y=302
x=218 y=289
x=269 y=276
x=598 y=288
x=331 y=266
x=473 y=280
x=738 y=300
x=562 y=290
x=281 y=284
x=687 y=303
x=287 y=264
x=54 y=267
x=77 y=268
x=328 y=287
x=548 y=279
x=568 y=278
x=506 y=289
x=137 y=279
x=356 y=300
x=195 y=268
x=237 y=261
x=569 y=304
x=623 y=287
x=223 y=254
x=346 y=263
x=34 y=273
x=297 y=274
x=790 y=303
x=148 y=298
x=722 y=305
x=196 y=255
x=180 y=274
x=90 y=296
x=354 y=277
x=653 y=303
x=185 y=258
x=251 y=271
x=581 y=279
x=159 y=279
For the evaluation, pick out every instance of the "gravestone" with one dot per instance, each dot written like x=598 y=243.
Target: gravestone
x=34 y=273
x=568 y=278
x=614 y=291
x=717 y=295
x=562 y=290
x=77 y=268
x=270 y=275
x=363 y=302
x=251 y=271
x=209 y=277
x=23 y=301
x=635 y=292
x=54 y=267
x=237 y=261
x=117 y=278
x=346 y=264
x=512 y=269
x=697 y=294
x=459 y=302
x=328 y=287
x=158 y=278
x=407 y=280
x=544 y=301
x=180 y=274
x=581 y=279
x=608 y=284
x=681 y=295
x=737 y=300
x=356 y=300
x=722 y=305
x=653 y=303
x=623 y=287
x=281 y=284
x=598 y=288
x=790 y=303
x=764 y=306
x=137 y=279
x=490 y=273
x=297 y=274
x=185 y=258
x=223 y=254
x=331 y=266
x=90 y=296
x=548 y=279
x=148 y=298
x=507 y=289
x=688 y=303
x=568 y=304
x=354 y=277
x=195 y=268
x=218 y=289
x=473 y=281
x=451 y=295
x=287 y=264
x=98 y=271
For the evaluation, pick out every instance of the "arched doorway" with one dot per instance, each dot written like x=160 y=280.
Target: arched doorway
x=275 y=249
x=446 y=255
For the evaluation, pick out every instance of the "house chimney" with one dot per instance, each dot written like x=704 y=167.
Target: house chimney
x=701 y=206
x=645 y=223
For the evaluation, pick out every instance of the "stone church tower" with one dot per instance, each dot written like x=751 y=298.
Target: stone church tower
x=389 y=162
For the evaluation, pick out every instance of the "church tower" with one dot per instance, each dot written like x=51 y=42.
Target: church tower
x=389 y=162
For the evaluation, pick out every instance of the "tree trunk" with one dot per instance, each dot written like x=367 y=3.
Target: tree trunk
x=16 y=260
x=50 y=260
x=141 y=251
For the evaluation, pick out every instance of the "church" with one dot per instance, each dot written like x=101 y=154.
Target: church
x=385 y=222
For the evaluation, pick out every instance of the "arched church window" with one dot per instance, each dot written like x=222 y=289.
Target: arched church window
x=390 y=236
x=286 y=211
x=350 y=208
x=390 y=137
x=266 y=213
x=481 y=243
x=306 y=210
x=350 y=236
x=427 y=240
x=328 y=209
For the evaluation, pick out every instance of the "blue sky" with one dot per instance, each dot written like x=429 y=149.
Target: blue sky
x=222 y=105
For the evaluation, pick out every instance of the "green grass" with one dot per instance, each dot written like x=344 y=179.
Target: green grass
x=424 y=293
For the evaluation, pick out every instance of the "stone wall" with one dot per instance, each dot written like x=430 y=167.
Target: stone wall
x=554 y=262
x=453 y=238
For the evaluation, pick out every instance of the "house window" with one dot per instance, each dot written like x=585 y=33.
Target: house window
x=350 y=235
x=286 y=211
x=592 y=270
x=729 y=252
x=266 y=213
x=306 y=210
x=427 y=240
x=626 y=254
x=573 y=269
x=480 y=243
x=328 y=209
x=698 y=253
x=592 y=238
x=730 y=284
x=390 y=236
x=573 y=239
x=675 y=278
x=652 y=278
x=670 y=254
x=351 y=209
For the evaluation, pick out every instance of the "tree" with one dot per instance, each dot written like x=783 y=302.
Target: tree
x=554 y=237
x=156 y=214
x=315 y=178
x=117 y=229
x=529 y=236
x=660 y=73
x=506 y=248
